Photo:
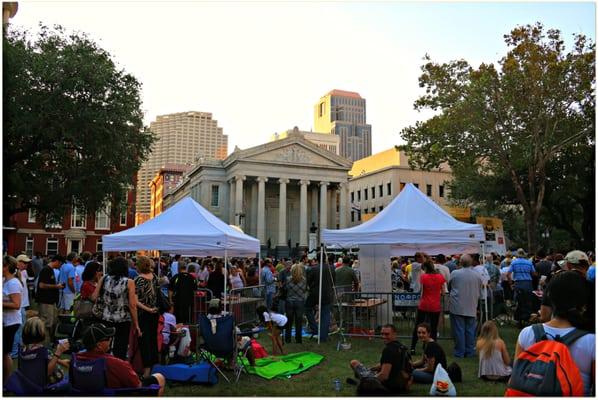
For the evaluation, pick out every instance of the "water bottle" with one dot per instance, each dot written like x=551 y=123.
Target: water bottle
x=337 y=385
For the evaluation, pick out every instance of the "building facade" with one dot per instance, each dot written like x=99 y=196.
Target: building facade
x=167 y=178
x=324 y=140
x=78 y=231
x=182 y=137
x=343 y=113
x=274 y=192
x=376 y=180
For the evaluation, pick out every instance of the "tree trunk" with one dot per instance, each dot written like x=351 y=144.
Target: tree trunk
x=531 y=223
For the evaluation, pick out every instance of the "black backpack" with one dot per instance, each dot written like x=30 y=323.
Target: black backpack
x=404 y=378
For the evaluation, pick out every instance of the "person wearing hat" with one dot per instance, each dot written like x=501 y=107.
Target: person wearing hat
x=521 y=272
x=576 y=262
x=48 y=293
x=97 y=340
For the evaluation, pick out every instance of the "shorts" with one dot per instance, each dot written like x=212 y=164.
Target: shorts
x=49 y=314
x=66 y=301
x=361 y=371
x=150 y=380
x=8 y=333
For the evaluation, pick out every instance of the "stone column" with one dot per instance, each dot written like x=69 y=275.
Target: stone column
x=261 y=209
x=323 y=208
x=252 y=220
x=282 y=213
x=239 y=199
x=303 y=213
x=314 y=205
x=332 y=206
x=343 y=202
x=231 y=201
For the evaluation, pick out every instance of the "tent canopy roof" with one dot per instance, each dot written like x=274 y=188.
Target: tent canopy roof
x=184 y=228
x=410 y=221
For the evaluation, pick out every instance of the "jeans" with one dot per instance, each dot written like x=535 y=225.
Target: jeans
x=463 y=329
x=420 y=376
x=17 y=343
x=324 y=320
x=295 y=311
x=269 y=297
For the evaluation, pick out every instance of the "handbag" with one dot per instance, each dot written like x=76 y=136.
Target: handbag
x=97 y=309
x=82 y=309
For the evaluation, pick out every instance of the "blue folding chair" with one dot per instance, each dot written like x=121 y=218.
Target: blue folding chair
x=222 y=343
x=31 y=377
x=88 y=377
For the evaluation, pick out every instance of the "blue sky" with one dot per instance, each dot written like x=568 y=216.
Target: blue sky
x=260 y=67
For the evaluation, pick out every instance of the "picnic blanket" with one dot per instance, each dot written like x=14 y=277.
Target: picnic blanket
x=283 y=366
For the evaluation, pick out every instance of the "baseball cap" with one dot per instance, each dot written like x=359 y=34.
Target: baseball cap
x=520 y=252
x=58 y=257
x=95 y=334
x=23 y=258
x=574 y=257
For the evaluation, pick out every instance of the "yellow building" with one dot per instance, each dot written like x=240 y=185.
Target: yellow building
x=166 y=179
x=376 y=180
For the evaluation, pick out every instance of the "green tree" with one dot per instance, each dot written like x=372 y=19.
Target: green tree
x=500 y=127
x=73 y=130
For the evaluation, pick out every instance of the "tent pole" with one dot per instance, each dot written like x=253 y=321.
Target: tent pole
x=320 y=293
x=259 y=270
x=225 y=275
x=103 y=262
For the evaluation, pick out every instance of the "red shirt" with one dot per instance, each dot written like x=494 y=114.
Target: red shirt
x=119 y=373
x=87 y=289
x=431 y=291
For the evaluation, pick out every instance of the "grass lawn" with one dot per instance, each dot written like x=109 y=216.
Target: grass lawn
x=318 y=381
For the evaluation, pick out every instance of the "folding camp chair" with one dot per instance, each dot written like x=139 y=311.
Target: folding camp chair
x=221 y=343
x=88 y=377
x=31 y=377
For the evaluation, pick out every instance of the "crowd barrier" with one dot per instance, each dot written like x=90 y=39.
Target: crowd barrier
x=243 y=302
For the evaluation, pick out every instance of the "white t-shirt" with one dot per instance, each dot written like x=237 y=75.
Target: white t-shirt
x=10 y=316
x=25 y=293
x=446 y=272
x=279 y=319
x=416 y=270
x=169 y=324
x=483 y=273
x=582 y=350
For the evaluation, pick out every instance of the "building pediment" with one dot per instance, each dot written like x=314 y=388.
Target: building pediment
x=292 y=150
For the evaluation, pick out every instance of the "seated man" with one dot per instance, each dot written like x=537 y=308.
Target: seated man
x=119 y=374
x=394 y=370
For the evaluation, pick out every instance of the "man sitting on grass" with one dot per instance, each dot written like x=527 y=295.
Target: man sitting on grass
x=393 y=372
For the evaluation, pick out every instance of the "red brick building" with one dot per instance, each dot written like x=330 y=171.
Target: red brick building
x=77 y=231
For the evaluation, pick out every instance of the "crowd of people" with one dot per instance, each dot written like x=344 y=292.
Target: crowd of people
x=128 y=303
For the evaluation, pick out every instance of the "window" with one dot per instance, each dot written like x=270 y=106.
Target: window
x=402 y=186
x=380 y=208
x=352 y=216
x=365 y=194
x=321 y=109
x=29 y=247
x=416 y=185
x=31 y=216
x=123 y=218
x=359 y=215
x=373 y=192
x=215 y=196
x=359 y=195
x=103 y=218
x=441 y=191
x=77 y=218
x=429 y=190
x=53 y=224
x=352 y=197
x=388 y=189
x=380 y=190
x=52 y=247
x=99 y=246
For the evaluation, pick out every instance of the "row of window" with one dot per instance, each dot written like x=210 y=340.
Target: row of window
x=357 y=214
x=52 y=246
x=79 y=219
x=372 y=191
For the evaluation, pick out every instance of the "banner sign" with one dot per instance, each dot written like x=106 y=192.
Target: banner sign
x=495 y=236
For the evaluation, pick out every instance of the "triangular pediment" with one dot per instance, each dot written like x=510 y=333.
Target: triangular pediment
x=290 y=151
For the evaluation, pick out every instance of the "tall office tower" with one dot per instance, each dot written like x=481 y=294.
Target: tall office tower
x=342 y=113
x=182 y=138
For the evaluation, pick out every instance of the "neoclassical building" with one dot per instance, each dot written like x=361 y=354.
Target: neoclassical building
x=274 y=191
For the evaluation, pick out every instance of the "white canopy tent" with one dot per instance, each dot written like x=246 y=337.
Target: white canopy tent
x=411 y=222
x=185 y=228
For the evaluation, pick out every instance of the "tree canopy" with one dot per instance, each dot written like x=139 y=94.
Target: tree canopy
x=73 y=129
x=505 y=129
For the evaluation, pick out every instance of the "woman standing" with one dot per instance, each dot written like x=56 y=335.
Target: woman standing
x=216 y=280
x=116 y=304
x=11 y=310
x=91 y=276
x=429 y=305
x=235 y=280
x=146 y=287
x=295 y=303
x=494 y=357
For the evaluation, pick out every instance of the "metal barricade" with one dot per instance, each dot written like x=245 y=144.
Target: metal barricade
x=201 y=298
x=243 y=302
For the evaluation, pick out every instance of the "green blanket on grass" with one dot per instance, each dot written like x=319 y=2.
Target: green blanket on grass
x=283 y=366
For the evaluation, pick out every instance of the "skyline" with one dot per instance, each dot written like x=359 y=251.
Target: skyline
x=260 y=68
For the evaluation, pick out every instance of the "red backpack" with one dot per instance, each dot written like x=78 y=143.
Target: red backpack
x=546 y=368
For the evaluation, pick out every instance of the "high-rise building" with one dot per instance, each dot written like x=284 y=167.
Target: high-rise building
x=342 y=113
x=182 y=139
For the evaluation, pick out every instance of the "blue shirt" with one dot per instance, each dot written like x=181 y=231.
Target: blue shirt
x=67 y=271
x=78 y=281
x=132 y=273
x=268 y=280
x=174 y=268
x=522 y=269
x=592 y=273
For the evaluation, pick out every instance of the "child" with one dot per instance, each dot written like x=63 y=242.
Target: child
x=274 y=322
x=493 y=354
